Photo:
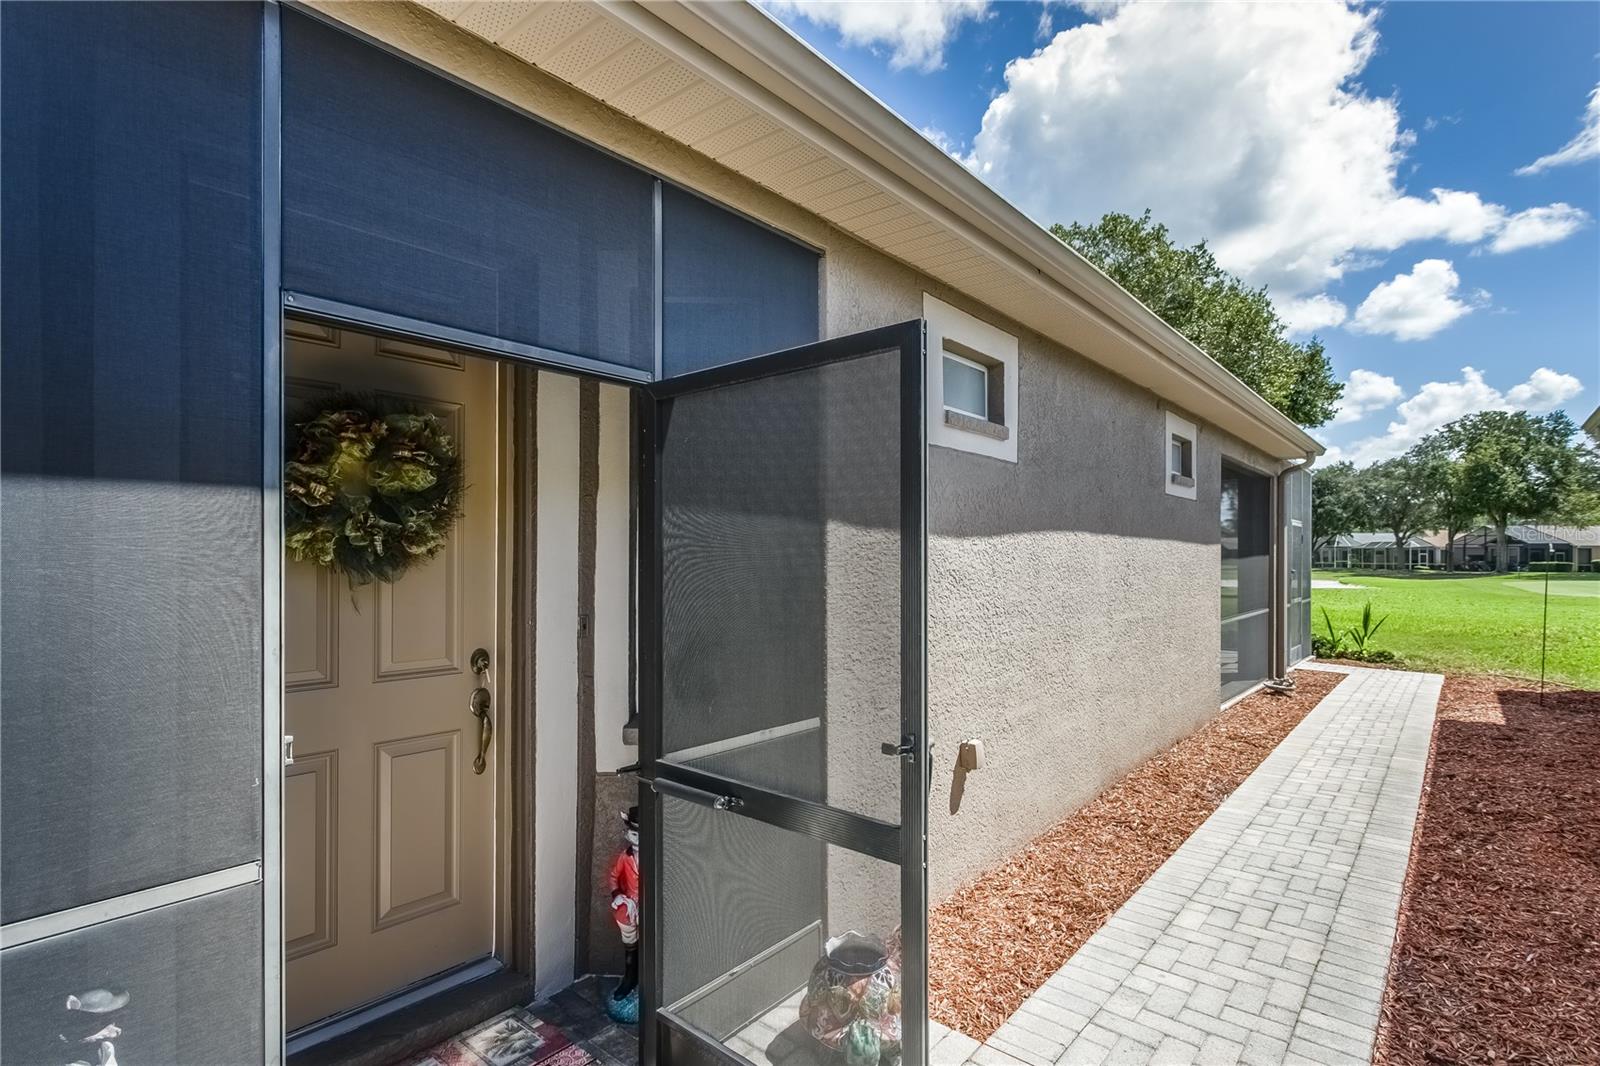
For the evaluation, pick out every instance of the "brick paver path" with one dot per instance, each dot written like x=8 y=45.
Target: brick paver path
x=1266 y=937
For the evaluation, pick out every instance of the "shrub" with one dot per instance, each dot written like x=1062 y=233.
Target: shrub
x=1554 y=567
x=1359 y=638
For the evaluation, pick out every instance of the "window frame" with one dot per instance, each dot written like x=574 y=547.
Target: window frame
x=955 y=334
x=1174 y=481
x=961 y=360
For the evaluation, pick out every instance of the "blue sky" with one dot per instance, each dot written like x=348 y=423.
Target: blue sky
x=1362 y=162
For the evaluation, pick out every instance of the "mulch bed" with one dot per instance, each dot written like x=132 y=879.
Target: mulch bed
x=1000 y=937
x=1498 y=954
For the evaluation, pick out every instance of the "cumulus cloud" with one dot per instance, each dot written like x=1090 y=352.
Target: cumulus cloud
x=1439 y=402
x=1415 y=306
x=1545 y=390
x=1584 y=146
x=914 y=32
x=1243 y=124
x=1539 y=225
x=1311 y=313
x=1364 y=392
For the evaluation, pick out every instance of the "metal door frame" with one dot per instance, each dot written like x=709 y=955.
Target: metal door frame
x=905 y=845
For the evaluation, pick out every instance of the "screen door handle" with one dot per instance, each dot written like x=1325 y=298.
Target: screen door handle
x=696 y=795
x=906 y=749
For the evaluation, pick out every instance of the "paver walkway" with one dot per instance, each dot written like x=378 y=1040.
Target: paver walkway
x=1265 y=938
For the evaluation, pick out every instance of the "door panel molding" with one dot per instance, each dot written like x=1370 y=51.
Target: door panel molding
x=392 y=784
x=389 y=664
x=321 y=792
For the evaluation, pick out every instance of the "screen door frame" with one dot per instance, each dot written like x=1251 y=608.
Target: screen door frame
x=665 y=1038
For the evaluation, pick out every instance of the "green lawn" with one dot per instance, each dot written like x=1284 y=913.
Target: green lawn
x=1478 y=623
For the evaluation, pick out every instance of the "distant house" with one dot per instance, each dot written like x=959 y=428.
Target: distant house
x=1377 y=551
x=1528 y=544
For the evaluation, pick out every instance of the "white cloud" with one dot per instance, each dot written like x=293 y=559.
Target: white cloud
x=1539 y=225
x=1311 y=313
x=1415 y=306
x=943 y=141
x=1545 y=390
x=1439 y=402
x=914 y=31
x=1243 y=124
x=1365 y=392
x=1584 y=146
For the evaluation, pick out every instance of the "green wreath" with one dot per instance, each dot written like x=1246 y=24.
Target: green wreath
x=371 y=487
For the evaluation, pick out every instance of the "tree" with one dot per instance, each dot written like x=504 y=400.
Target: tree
x=1236 y=325
x=1517 y=466
x=1443 y=478
x=1397 y=498
x=1338 y=507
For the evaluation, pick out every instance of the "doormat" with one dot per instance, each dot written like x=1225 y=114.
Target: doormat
x=515 y=1038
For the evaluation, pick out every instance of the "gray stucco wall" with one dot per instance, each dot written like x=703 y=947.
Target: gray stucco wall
x=1073 y=604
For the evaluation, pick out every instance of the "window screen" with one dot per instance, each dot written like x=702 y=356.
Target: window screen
x=731 y=289
x=130 y=508
x=408 y=194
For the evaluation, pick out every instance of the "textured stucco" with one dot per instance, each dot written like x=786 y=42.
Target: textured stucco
x=1073 y=603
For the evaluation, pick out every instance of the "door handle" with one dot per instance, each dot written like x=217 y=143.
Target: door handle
x=479 y=703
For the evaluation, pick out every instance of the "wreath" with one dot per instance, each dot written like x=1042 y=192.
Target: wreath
x=372 y=486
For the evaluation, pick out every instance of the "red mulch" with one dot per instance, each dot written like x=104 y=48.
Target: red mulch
x=1000 y=937
x=1498 y=954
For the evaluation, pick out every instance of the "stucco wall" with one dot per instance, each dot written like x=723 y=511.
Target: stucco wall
x=1073 y=604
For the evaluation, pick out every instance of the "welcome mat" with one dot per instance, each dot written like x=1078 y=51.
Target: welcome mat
x=515 y=1038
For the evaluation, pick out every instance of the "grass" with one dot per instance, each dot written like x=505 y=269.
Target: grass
x=1474 y=623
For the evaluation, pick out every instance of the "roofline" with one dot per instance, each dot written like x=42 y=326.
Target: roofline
x=1591 y=425
x=832 y=109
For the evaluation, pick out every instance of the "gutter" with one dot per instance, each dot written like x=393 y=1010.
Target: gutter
x=781 y=74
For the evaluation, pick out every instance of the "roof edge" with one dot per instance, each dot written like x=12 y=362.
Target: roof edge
x=796 y=79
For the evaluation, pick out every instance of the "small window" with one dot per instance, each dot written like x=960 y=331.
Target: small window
x=1182 y=458
x=971 y=382
x=1178 y=454
x=966 y=386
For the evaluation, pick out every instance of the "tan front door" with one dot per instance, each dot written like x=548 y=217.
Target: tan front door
x=388 y=834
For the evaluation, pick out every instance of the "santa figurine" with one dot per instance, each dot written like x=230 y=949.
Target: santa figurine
x=623 y=1006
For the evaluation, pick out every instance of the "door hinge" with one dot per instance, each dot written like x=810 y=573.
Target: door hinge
x=288 y=749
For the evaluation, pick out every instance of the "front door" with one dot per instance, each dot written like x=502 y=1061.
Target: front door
x=388 y=829
x=783 y=678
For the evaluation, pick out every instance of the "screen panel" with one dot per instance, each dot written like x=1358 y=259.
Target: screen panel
x=731 y=288
x=408 y=194
x=781 y=582
x=130 y=507
x=749 y=911
x=176 y=984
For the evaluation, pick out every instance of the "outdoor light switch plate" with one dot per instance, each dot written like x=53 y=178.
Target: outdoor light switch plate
x=970 y=757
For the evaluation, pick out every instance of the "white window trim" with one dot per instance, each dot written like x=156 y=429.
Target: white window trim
x=996 y=345
x=963 y=360
x=1174 y=426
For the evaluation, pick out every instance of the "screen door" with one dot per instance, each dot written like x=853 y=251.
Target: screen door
x=784 y=621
